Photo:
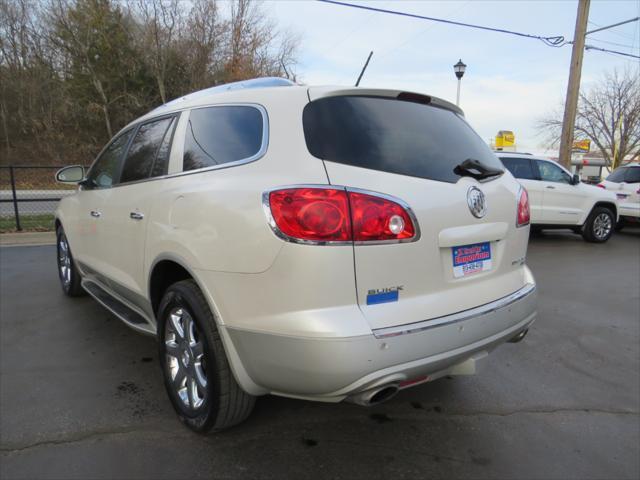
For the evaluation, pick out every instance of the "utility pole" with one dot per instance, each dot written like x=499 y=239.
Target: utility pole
x=573 y=88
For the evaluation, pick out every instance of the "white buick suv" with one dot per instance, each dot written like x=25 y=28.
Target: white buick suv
x=559 y=200
x=326 y=244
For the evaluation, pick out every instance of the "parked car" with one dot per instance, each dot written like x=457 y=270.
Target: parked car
x=559 y=200
x=325 y=244
x=625 y=183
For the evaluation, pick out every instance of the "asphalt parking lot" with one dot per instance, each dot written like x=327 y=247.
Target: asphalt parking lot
x=81 y=395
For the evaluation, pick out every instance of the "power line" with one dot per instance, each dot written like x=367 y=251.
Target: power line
x=613 y=43
x=591 y=47
x=552 y=41
x=421 y=32
x=624 y=22
x=614 y=32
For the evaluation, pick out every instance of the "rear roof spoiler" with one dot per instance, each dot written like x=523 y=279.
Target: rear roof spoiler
x=321 y=92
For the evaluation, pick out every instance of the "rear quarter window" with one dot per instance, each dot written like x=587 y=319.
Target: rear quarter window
x=633 y=175
x=617 y=175
x=222 y=134
x=392 y=135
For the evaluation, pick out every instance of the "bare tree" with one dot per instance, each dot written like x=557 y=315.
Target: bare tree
x=73 y=72
x=161 y=21
x=608 y=115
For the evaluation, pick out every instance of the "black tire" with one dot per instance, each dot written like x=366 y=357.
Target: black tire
x=599 y=225
x=218 y=402
x=68 y=274
x=620 y=225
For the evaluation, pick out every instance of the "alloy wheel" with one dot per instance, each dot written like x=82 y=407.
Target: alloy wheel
x=64 y=261
x=185 y=358
x=602 y=226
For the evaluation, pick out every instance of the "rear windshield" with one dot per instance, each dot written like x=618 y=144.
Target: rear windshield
x=393 y=136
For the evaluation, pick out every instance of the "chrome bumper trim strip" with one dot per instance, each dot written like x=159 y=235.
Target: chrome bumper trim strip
x=455 y=317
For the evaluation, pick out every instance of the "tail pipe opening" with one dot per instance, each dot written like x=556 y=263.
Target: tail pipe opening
x=375 y=395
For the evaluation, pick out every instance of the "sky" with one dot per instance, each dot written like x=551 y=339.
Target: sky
x=510 y=82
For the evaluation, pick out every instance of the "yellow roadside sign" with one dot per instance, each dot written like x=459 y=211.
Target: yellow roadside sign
x=505 y=138
x=583 y=145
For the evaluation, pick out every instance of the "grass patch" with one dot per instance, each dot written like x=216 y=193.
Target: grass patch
x=29 y=223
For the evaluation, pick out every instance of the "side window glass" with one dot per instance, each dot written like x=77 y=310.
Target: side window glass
x=618 y=175
x=520 y=167
x=219 y=135
x=105 y=170
x=145 y=149
x=633 y=175
x=552 y=173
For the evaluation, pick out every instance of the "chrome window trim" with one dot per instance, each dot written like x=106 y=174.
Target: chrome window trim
x=416 y=327
x=280 y=234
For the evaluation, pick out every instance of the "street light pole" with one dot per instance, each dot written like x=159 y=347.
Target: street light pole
x=459 y=69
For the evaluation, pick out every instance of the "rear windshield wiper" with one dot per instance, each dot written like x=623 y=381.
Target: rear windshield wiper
x=476 y=169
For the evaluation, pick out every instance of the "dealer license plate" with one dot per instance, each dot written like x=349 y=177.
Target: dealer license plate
x=470 y=259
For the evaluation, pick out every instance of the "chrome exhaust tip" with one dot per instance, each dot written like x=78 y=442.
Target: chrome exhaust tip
x=520 y=336
x=374 y=396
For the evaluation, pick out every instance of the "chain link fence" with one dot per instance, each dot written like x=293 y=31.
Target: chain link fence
x=29 y=196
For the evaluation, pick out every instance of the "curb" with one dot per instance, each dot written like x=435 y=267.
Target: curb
x=27 y=239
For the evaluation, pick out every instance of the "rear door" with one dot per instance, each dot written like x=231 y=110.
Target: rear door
x=524 y=170
x=629 y=194
x=127 y=212
x=408 y=148
x=563 y=202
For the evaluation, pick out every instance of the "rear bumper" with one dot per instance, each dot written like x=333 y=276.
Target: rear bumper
x=331 y=369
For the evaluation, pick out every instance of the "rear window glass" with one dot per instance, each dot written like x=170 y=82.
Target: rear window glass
x=519 y=167
x=617 y=175
x=219 y=135
x=393 y=136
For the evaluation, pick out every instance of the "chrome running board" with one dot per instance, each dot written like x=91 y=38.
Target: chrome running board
x=124 y=312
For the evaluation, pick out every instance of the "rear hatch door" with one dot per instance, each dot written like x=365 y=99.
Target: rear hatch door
x=407 y=146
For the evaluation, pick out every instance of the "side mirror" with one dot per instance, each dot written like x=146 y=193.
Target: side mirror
x=575 y=180
x=72 y=174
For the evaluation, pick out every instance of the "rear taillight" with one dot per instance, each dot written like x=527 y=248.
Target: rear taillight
x=377 y=219
x=336 y=215
x=601 y=186
x=312 y=214
x=524 y=215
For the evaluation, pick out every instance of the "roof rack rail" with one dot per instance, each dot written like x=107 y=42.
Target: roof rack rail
x=262 y=82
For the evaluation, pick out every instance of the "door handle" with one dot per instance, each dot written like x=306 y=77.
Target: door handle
x=136 y=216
x=550 y=187
x=95 y=213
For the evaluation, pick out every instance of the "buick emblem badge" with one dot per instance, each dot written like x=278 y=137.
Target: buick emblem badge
x=477 y=202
